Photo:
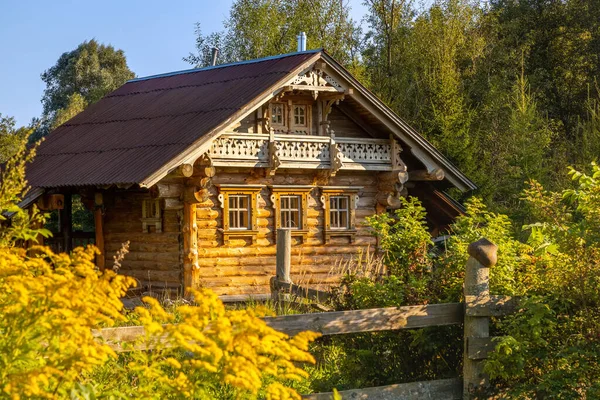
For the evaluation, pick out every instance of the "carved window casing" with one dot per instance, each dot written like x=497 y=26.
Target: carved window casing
x=240 y=208
x=151 y=215
x=339 y=204
x=290 y=204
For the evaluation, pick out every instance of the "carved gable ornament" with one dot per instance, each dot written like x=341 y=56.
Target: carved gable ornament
x=317 y=78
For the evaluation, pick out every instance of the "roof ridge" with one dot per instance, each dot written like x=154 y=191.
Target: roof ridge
x=192 y=70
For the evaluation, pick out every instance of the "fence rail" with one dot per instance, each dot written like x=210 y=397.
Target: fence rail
x=474 y=313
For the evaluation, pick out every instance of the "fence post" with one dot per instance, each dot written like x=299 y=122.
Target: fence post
x=477 y=283
x=283 y=261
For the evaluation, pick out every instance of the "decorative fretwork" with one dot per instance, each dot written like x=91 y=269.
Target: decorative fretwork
x=243 y=147
x=317 y=78
x=305 y=150
x=275 y=152
x=378 y=153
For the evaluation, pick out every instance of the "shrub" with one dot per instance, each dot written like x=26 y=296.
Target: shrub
x=50 y=305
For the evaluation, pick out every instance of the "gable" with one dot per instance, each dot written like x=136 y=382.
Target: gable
x=150 y=126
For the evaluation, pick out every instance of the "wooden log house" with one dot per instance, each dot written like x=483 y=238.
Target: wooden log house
x=198 y=168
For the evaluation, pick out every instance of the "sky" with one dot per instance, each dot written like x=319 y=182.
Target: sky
x=154 y=34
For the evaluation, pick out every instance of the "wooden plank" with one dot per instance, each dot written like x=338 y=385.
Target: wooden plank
x=479 y=348
x=486 y=306
x=300 y=291
x=443 y=389
x=330 y=323
x=235 y=298
x=370 y=320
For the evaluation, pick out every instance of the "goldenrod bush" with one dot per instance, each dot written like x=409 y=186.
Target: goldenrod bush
x=50 y=305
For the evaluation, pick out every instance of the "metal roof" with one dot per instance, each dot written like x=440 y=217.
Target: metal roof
x=140 y=127
x=134 y=134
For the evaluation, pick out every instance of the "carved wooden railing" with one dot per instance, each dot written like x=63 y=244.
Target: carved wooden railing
x=295 y=151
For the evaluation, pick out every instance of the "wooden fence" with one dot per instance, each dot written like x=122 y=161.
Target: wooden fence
x=474 y=313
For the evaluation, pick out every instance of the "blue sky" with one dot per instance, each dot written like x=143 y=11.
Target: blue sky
x=155 y=35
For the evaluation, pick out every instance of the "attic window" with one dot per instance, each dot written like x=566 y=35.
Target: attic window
x=278 y=114
x=300 y=115
x=151 y=216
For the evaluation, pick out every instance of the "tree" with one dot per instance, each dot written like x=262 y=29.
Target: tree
x=260 y=28
x=11 y=138
x=81 y=77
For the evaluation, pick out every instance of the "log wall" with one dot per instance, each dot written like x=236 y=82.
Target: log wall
x=154 y=258
x=240 y=267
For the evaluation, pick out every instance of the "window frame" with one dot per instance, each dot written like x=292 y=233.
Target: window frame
x=253 y=193
x=303 y=107
x=302 y=192
x=284 y=111
x=299 y=129
x=151 y=218
x=349 y=192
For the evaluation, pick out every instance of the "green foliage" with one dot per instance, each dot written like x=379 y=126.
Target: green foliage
x=404 y=239
x=11 y=138
x=259 y=28
x=551 y=349
x=22 y=224
x=81 y=77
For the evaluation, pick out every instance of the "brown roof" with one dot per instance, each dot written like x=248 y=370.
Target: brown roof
x=135 y=130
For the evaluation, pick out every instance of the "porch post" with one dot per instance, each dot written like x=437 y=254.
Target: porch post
x=66 y=223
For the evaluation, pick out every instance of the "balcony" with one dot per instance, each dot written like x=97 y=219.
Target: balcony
x=307 y=152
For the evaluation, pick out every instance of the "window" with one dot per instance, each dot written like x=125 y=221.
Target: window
x=300 y=115
x=339 y=212
x=290 y=212
x=239 y=204
x=151 y=215
x=290 y=117
x=339 y=204
x=290 y=205
x=278 y=114
x=239 y=211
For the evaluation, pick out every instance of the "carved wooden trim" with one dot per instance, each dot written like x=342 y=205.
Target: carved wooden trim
x=253 y=191
x=352 y=193
x=303 y=192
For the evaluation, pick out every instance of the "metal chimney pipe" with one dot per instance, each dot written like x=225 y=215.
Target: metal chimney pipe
x=215 y=54
x=301 y=41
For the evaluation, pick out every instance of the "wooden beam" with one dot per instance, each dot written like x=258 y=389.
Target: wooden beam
x=482 y=256
x=479 y=348
x=164 y=190
x=329 y=323
x=190 y=247
x=66 y=223
x=443 y=389
x=490 y=306
x=186 y=170
x=99 y=239
x=425 y=175
x=300 y=291
x=371 y=320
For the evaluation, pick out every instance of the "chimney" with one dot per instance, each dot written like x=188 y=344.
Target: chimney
x=302 y=41
x=215 y=54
